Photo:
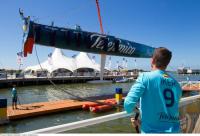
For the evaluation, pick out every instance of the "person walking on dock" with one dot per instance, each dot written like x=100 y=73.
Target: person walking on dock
x=159 y=95
x=14 y=97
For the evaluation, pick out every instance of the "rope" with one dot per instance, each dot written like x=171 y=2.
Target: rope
x=65 y=91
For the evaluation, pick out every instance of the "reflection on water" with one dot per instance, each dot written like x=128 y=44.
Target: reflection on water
x=42 y=93
x=122 y=125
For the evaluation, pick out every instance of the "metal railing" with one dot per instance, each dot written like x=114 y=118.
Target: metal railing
x=189 y=82
x=98 y=120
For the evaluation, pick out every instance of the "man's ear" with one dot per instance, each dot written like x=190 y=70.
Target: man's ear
x=152 y=62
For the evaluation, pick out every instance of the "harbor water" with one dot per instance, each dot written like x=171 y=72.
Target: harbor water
x=33 y=94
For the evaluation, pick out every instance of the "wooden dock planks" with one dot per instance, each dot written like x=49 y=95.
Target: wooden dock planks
x=42 y=108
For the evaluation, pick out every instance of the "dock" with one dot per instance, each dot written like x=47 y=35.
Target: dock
x=191 y=87
x=43 y=108
x=58 y=80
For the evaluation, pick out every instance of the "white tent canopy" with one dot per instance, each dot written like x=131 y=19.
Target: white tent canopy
x=84 y=61
x=45 y=66
x=59 y=61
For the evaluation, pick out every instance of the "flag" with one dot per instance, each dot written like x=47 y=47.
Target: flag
x=49 y=55
x=126 y=65
x=93 y=59
x=19 y=57
x=73 y=56
x=52 y=23
x=49 y=58
x=135 y=64
x=117 y=64
x=20 y=54
x=109 y=63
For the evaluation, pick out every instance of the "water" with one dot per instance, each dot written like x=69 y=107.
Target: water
x=43 y=93
x=49 y=93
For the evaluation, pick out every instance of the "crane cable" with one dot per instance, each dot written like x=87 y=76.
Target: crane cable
x=65 y=91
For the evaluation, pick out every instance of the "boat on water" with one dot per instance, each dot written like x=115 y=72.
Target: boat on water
x=188 y=70
x=120 y=80
x=131 y=79
x=99 y=81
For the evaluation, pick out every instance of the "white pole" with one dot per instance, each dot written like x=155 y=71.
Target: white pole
x=103 y=60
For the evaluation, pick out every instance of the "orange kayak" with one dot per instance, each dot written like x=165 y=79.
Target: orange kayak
x=101 y=108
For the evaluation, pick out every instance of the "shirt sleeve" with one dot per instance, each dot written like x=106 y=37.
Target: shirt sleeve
x=134 y=94
x=180 y=90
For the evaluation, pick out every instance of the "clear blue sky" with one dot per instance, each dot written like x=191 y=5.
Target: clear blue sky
x=174 y=24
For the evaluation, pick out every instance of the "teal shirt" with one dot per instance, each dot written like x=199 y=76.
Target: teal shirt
x=159 y=96
x=14 y=92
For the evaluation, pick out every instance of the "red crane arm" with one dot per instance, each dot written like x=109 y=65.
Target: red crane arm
x=99 y=16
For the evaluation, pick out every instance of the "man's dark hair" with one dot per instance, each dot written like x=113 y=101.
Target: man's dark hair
x=162 y=57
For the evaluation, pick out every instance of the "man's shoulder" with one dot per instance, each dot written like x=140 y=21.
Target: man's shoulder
x=155 y=76
x=149 y=74
x=171 y=77
x=144 y=76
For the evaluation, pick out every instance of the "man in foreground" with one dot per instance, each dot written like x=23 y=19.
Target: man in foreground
x=159 y=95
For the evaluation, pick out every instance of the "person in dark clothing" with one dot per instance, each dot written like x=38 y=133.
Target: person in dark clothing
x=14 y=97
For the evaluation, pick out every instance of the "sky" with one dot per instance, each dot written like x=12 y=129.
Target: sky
x=174 y=24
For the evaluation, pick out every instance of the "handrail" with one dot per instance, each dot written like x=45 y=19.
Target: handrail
x=80 y=124
x=188 y=100
x=191 y=82
x=98 y=120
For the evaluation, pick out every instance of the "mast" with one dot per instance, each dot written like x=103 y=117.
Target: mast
x=79 y=40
